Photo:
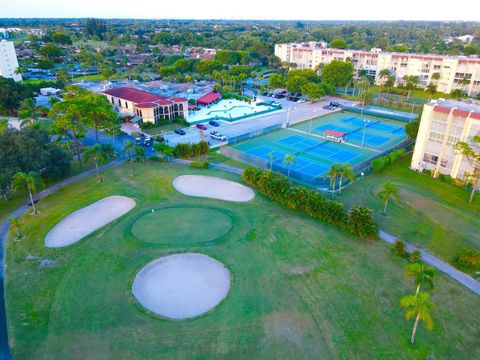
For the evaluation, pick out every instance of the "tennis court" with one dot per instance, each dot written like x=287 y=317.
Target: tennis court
x=312 y=156
x=303 y=153
x=370 y=131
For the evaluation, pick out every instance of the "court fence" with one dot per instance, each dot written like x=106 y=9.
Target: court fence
x=252 y=134
x=387 y=114
x=276 y=166
x=319 y=181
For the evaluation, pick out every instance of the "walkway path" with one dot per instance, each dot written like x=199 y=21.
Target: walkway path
x=4 y=350
x=462 y=278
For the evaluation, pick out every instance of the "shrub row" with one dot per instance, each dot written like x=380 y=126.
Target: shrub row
x=277 y=187
x=187 y=150
x=378 y=165
x=236 y=97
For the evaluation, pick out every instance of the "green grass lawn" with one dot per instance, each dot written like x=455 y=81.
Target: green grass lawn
x=300 y=289
x=431 y=214
x=416 y=94
x=159 y=128
x=99 y=77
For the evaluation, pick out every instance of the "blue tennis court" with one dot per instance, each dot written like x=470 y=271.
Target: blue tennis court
x=377 y=125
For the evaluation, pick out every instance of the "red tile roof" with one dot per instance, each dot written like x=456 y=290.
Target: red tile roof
x=335 y=133
x=209 y=98
x=178 y=99
x=163 y=102
x=131 y=94
x=146 y=105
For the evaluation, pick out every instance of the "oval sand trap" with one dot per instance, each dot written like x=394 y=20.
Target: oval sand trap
x=83 y=222
x=181 y=286
x=212 y=187
x=182 y=225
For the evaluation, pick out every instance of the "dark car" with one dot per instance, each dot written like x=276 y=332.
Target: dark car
x=334 y=104
x=264 y=93
x=148 y=142
x=179 y=131
x=214 y=123
x=201 y=127
x=139 y=141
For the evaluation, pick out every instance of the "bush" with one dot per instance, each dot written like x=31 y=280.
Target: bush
x=399 y=248
x=469 y=258
x=278 y=188
x=187 y=150
x=200 y=164
x=380 y=164
x=415 y=256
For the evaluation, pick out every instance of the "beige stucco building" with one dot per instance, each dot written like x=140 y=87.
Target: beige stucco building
x=452 y=70
x=443 y=124
x=8 y=61
x=147 y=106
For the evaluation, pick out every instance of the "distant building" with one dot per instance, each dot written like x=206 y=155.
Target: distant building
x=443 y=124
x=8 y=61
x=451 y=69
x=147 y=106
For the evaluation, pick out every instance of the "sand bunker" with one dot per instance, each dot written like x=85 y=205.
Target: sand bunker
x=83 y=222
x=181 y=286
x=212 y=187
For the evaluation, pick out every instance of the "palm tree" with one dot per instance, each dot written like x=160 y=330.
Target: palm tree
x=129 y=148
x=345 y=170
x=16 y=226
x=383 y=75
x=473 y=157
x=288 y=160
x=164 y=149
x=431 y=89
x=29 y=111
x=271 y=159
x=411 y=82
x=423 y=275
x=420 y=307
x=30 y=181
x=388 y=190
x=99 y=154
x=333 y=173
x=139 y=153
x=464 y=82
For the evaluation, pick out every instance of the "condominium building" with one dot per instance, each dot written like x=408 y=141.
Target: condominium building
x=443 y=124
x=145 y=105
x=455 y=72
x=8 y=60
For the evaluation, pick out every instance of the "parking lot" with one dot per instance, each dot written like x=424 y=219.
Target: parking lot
x=292 y=112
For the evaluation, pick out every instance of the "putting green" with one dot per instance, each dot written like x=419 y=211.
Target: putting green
x=182 y=225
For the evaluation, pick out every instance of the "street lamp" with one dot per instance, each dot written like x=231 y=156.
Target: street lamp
x=365 y=122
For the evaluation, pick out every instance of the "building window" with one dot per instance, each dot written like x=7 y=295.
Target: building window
x=430 y=158
x=436 y=137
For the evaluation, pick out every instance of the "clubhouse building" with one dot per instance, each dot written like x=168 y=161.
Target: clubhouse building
x=443 y=124
x=455 y=72
x=146 y=106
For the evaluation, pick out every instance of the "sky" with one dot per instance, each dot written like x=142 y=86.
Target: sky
x=466 y=10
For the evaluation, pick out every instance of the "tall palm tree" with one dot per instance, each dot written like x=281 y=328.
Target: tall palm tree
x=99 y=154
x=431 y=89
x=288 y=160
x=464 y=82
x=30 y=181
x=345 y=170
x=333 y=173
x=383 y=75
x=139 y=153
x=423 y=275
x=129 y=149
x=420 y=307
x=388 y=190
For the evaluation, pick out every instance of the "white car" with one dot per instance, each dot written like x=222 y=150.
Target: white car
x=217 y=136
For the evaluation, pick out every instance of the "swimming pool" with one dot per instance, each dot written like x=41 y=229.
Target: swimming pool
x=229 y=110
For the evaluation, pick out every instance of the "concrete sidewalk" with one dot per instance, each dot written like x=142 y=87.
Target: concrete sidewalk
x=462 y=278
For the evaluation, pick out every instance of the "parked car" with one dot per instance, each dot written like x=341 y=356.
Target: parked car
x=148 y=142
x=217 y=136
x=335 y=104
x=264 y=93
x=276 y=103
x=214 y=123
x=139 y=141
x=329 y=107
x=179 y=131
x=301 y=100
x=201 y=127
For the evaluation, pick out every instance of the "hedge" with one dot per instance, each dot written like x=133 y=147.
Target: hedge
x=378 y=165
x=187 y=150
x=358 y=220
x=200 y=164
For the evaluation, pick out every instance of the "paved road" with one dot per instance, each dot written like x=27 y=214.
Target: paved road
x=431 y=260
